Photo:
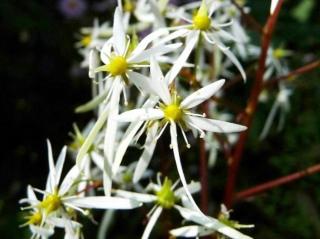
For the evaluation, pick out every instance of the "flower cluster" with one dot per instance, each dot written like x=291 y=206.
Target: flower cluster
x=139 y=67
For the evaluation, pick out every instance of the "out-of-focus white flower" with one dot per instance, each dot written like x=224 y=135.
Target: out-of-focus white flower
x=282 y=104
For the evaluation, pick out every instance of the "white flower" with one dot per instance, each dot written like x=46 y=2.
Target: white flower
x=165 y=198
x=208 y=225
x=173 y=111
x=60 y=198
x=199 y=27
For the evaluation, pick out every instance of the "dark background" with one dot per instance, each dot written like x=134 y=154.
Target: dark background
x=41 y=84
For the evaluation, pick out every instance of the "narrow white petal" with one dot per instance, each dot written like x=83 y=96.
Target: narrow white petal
x=191 y=231
x=269 y=120
x=226 y=35
x=60 y=163
x=193 y=187
x=153 y=51
x=147 y=40
x=191 y=41
x=201 y=95
x=146 y=156
x=152 y=221
x=155 y=69
x=234 y=60
x=112 y=124
x=31 y=195
x=140 y=115
x=92 y=135
x=119 y=36
x=140 y=197
x=101 y=202
x=106 y=51
x=174 y=35
x=52 y=170
x=216 y=126
x=142 y=82
x=97 y=159
x=174 y=143
x=124 y=144
x=69 y=180
x=273 y=6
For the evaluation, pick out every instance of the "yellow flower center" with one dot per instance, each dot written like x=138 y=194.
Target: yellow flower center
x=173 y=112
x=201 y=22
x=51 y=203
x=165 y=196
x=279 y=53
x=128 y=6
x=86 y=40
x=118 y=66
x=35 y=219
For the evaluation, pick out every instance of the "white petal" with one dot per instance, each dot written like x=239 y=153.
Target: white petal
x=147 y=40
x=119 y=36
x=274 y=4
x=101 y=202
x=92 y=135
x=146 y=156
x=152 y=221
x=52 y=170
x=202 y=94
x=60 y=163
x=154 y=51
x=191 y=41
x=69 y=179
x=269 y=121
x=140 y=197
x=174 y=143
x=122 y=147
x=193 y=187
x=32 y=198
x=155 y=69
x=140 y=115
x=106 y=51
x=174 y=35
x=191 y=231
x=43 y=232
x=216 y=126
x=234 y=60
x=97 y=159
x=140 y=81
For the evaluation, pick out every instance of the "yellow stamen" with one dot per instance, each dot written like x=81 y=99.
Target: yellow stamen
x=51 y=203
x=128 y=6
x=86 y=40
x=118 y=66
x=173 y=112
x=35 y=219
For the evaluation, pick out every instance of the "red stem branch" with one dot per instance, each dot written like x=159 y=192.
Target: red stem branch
x=277 y=182
x=251 y=107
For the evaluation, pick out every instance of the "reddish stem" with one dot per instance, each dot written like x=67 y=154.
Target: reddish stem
x=301 y=70
x=246 y=117
x=277 y=182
